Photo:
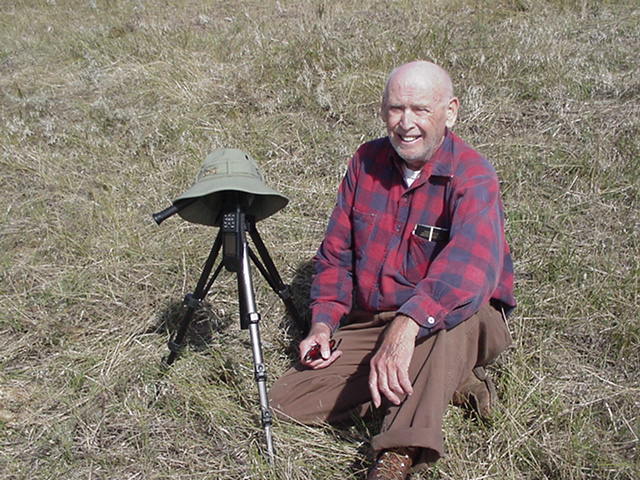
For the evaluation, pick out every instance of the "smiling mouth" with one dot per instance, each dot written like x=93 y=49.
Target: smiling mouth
x=409 y=138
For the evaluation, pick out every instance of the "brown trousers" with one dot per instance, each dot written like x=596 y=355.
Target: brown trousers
x=440 y=364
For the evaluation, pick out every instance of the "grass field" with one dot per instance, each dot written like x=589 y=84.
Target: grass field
x=107 y=109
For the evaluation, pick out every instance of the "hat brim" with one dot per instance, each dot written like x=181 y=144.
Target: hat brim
x=214 y=191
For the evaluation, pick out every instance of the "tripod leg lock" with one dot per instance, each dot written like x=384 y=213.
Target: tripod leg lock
x=267 y=417
x=191 y=301
x=260 y=372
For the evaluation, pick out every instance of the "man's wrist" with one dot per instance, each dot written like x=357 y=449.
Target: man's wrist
x=407 y=323
x=320 y=328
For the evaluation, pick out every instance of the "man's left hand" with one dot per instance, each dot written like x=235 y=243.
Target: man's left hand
x=389 y=375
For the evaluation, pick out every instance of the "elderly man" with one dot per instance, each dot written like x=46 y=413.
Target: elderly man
x=412 y=283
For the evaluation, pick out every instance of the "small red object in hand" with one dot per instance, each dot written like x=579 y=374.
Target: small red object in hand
x=314 y=352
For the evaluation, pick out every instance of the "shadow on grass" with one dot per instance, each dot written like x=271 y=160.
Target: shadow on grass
x=359 y=431
x=206 y=322
x=203 y=325
x=300 y=288
x=297 y=328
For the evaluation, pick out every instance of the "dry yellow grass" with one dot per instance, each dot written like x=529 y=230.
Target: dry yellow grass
x=107 y=109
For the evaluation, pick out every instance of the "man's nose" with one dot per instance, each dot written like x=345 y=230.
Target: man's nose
x=406 y=119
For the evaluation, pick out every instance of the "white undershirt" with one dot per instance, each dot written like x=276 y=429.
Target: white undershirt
x=410 y=175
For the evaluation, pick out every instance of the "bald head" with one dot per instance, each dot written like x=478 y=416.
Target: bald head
x=430 y=75
x=418 y=106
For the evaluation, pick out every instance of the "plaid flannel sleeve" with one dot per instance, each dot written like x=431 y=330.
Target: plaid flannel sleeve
x=331 y=290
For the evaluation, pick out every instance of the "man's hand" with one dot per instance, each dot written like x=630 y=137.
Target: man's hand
x=389 y=373
x=320 y=334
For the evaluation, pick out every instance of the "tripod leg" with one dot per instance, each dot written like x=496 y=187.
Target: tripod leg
x=193 y=300
x=251 y=320
x=271 y=275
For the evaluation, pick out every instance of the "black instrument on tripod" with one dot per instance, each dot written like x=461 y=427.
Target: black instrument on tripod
x=229 y=193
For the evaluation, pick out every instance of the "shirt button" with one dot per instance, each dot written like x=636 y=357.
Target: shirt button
x=431 y=320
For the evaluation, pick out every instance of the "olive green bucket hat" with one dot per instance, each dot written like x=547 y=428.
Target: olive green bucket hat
x=224 y=171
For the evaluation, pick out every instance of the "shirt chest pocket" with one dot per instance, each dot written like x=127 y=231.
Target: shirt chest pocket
x=363 y=224
x=421 y=252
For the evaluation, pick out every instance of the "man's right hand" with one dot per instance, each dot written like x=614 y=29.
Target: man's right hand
x=320 y=334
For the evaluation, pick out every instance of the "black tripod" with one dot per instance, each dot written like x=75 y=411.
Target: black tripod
x=232 y=239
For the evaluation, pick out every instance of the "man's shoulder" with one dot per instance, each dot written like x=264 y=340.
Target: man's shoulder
x=372 y=153
x=467 y=161
x=373 y=148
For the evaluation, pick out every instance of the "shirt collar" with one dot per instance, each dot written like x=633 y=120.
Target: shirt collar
x=440 y=163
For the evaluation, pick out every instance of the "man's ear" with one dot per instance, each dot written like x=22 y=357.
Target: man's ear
x=383 y=111
x=452 y=112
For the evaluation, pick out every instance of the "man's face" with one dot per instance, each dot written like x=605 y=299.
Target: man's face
x=416 y=115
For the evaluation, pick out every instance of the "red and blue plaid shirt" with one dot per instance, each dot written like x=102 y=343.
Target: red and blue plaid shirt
x=378 y=249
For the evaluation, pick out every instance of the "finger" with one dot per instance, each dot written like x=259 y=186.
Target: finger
x=405 y=381
x=394 y=386
x=307 y=344
x=304 y=346
x=325 y=351
x=383 y=386
x=320 y=363
x=308 y=363
x=389 y=394
x=373 y=388
x=336 y=354
x=304 y=350
x=387 y=382
x=302 y=356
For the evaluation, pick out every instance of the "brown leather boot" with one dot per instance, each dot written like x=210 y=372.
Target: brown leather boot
x=477 y=392
x=393 y=464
